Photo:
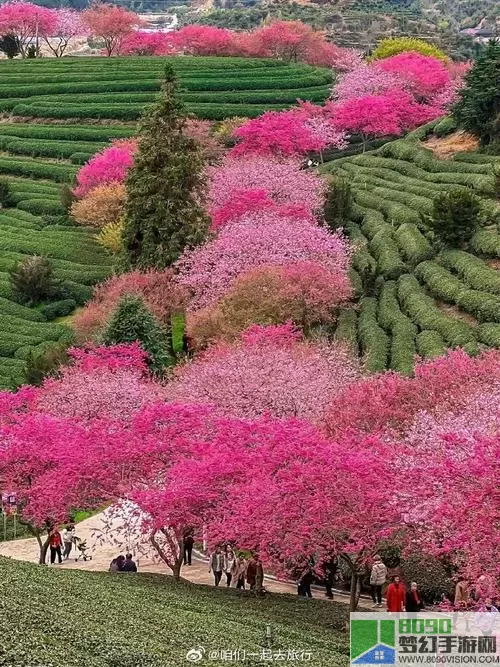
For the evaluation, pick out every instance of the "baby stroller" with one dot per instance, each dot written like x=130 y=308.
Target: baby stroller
x=81 y=546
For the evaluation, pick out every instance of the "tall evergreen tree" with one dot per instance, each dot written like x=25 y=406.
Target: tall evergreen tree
x=165 y=187
x=478 y=107
x=132 y=321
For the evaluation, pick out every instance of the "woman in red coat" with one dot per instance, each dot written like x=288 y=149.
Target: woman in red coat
x=395 y=596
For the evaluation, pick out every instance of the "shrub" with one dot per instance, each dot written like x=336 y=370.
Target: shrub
x=430 y=344
x=474 y=271
x=101 y=206
x=44 y=362
x=385 y=251
x=445 y=126
x=403 y=349
x=58 y=308
x=337 y=208
x=489 y=334
x=412 y=243
x=394 y=45
x=433 y=579
x=346 y=330
x=32 y=280
x=486 y=242
x=131 y=322
x=373 y=339
x=110 y=237
x=5 y=193
x=455 y=216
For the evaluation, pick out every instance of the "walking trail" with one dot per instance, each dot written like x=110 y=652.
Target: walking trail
x=103 y=551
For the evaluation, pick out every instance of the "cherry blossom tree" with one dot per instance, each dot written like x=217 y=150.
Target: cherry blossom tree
x=281 y=181
x=203 y=40
x=304 y=293
x=158 y=289
x=423 y=76
x=366 y=79
x=271 y=370
x=111 y=24
x=69 y=25
x=28 y=23
x=287 y=133
x=109 y=165
x=256 y=240
x=141 y=43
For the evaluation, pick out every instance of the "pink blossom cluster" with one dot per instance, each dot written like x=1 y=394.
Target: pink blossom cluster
x=108 y=166
x=257 y=239
x=269 y=371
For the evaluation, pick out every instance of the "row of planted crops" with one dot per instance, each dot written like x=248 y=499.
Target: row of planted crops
x=56 y=114
x=414 y=299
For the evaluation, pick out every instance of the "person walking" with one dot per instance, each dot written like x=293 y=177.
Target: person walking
x=68 y=536
x=188 y=546
x=217 y=565
x=461 y=602
x=259 y=574
x=487 y=617
x=395 y=596
x=251 y=572
x=413 y=602
x=230 y=565
x=378 y=577
x=55 y=543
x=241 y=570
x=129 y=565
x=330 y=568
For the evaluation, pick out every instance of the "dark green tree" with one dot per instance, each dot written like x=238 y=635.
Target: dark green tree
x=9 y=44
x=478 y=107
x=338 y=202
x=132 y=321
x=456 y=216
x=165 y=188
x=32 y=280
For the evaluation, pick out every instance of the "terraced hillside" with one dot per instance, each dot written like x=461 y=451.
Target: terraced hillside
x=414 y=301
x=118 y=88
x=55 y=114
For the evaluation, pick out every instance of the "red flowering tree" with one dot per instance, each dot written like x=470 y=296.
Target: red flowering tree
x=141 y=43
x=68 y=25
x=27 y=22
x=203 y=40
x=111 y=24
x=423 y=76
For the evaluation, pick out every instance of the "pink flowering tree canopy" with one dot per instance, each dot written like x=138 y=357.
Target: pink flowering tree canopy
x=25 y=20
x=111 y=24
x=109 y=165
x=69 y=25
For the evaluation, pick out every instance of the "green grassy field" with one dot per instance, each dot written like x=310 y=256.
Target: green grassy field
x=85 y=619
x=75 y=107
x=414 y=301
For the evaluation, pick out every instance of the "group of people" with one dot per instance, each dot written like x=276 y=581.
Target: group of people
x=61 y=544
x=237 y=568
x=123 y=564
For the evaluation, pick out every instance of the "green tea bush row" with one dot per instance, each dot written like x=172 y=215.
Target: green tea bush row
x=474 y=271
x=423 y=312
x=59 y=308
x=485 y=242
x=476 y=158
x=422 y=157
x=403 y=348
x=430 y=344
x=374 y=341
x=46 y=148
x=445 y=126
x=482 y=305
x=389 y=263
x=386 y=176
x=346 y=330
x=80 y=158
x=374 y=222
x=362 y=260
x=16 y=310
x=84 y=133
x=41 y=207
x=389 y=312
x=34 y=169
x=395 y=213
x=356 y=281
x=79 y=292
x=489 y=334
x=412 y=243
x=483 y=183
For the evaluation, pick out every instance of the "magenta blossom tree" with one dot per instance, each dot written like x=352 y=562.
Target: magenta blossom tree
x=27 y=22
x=109 y=165
x=68 y=26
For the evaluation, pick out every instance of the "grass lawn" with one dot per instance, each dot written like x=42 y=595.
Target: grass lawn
x=86 y=619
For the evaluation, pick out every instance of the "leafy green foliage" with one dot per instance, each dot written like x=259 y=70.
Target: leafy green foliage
x=32 y=280
x=338 y=202
x=455 y=216
x=163 y=214
x=433 y=579
x=479 y=100
x=394 y=45
x=45 y=362
x=132 y=321
x=374 y=341
x=9 y=44
x=5 y=193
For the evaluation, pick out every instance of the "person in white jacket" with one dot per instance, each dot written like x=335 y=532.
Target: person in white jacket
x=378 y=577
x=68 y=535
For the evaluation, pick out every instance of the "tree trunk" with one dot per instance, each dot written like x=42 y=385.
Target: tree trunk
x=355 y=591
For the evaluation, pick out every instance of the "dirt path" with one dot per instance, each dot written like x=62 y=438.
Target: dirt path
x=103 y=552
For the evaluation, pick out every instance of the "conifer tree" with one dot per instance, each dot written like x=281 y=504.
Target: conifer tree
x=478 y=107
x=165 y=187
x=131 y=322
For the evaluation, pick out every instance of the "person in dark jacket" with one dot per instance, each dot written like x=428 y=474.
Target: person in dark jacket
x=414 y=601
x=304 y=587
x=129 y=565
x=188 y=546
